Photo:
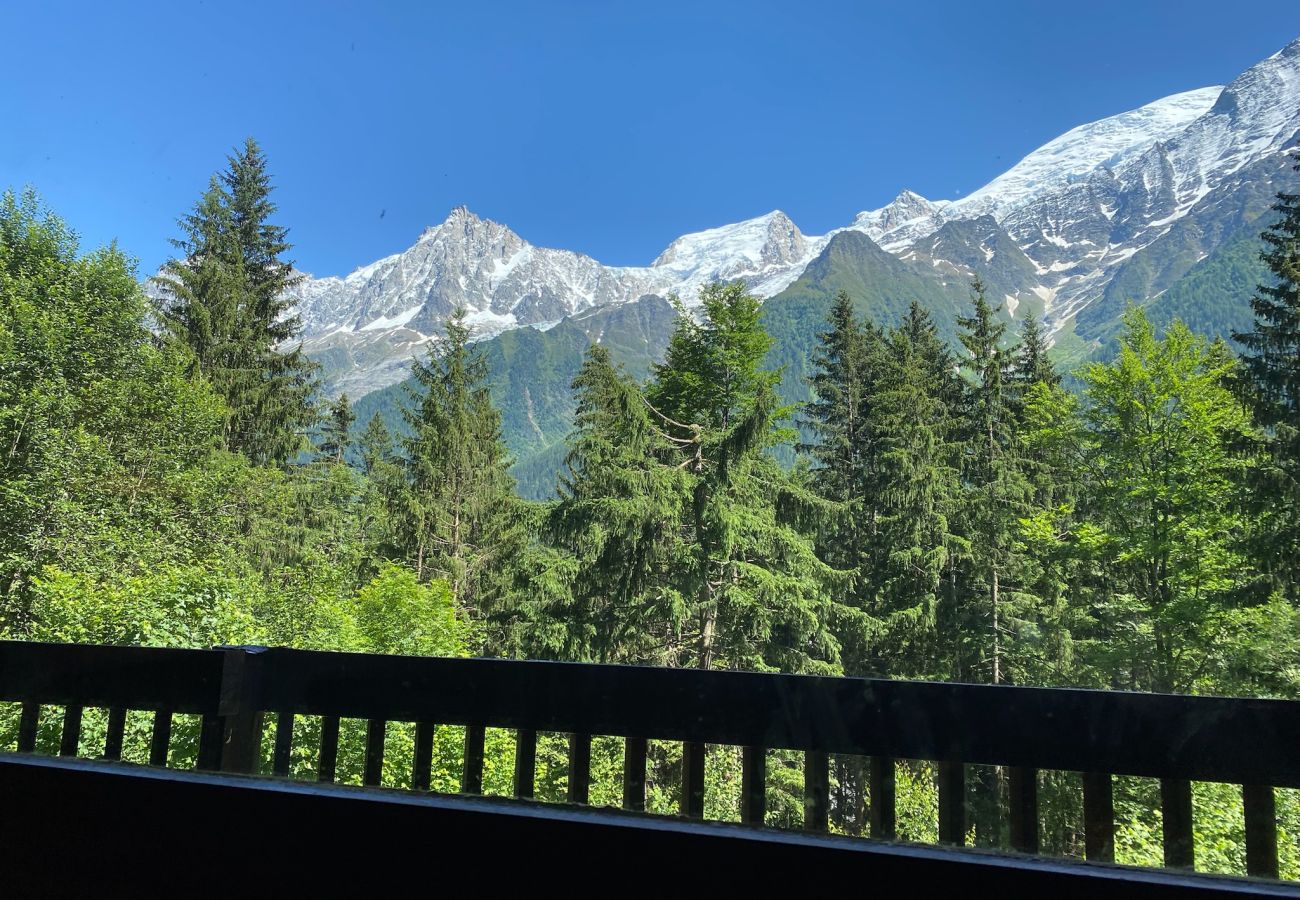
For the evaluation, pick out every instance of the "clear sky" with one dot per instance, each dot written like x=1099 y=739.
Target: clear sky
x=604 y=127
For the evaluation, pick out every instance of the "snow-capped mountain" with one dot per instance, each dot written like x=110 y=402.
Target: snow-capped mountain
x=1055 y=230
x=365 y=327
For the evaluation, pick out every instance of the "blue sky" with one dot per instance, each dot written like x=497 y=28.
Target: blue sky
x=608 y=128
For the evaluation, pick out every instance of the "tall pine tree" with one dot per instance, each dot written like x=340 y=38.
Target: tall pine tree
x=375 y=445
x=846 y=468
x=226 y=297
x=337 y=437
x=455 y=513
x=619 y=516
x=995 y=497
x=753 y=593
x=911 y=409
x=1272 y=379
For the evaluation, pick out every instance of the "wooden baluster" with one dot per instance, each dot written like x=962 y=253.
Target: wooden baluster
x=211 y=732
x=1176 y=805
x=422 y=763
x=28 y=725
x=1260 y=804
x=116 y=731
x=692 y=805
x=883 y=825
x=1099 y=816
x=162 y=737
x=952 y=803
x=241 y=741
x=1022 y=783
x=374 y=768
x=579 y=768
x=525 y=762
x=753 y=786
x=471 y=778
x=634 y=760
x=329 y=749
x=241 y=749
x=71 y=736
x=816 y=790
x=280 y=757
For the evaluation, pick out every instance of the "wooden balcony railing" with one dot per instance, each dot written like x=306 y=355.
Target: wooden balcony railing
x=1177 y=739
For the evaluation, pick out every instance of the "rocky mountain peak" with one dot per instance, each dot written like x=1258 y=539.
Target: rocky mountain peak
x=1055 y=230
x=771 y=238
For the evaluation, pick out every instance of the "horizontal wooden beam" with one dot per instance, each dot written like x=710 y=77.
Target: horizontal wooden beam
x=147 y=678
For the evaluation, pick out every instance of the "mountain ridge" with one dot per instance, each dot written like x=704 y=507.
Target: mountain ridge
x=1110 y=211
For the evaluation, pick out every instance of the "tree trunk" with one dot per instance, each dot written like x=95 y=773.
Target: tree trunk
x=997 y=637
x=707 y=629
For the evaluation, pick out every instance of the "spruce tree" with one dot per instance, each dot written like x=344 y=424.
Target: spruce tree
x=205 y=291
x=935 y=359
x=381 y=489
x=375 y=445
x=1050 y=444
x=1031 y=363
x=1034 y=382
x=336 y=440
x=226 y=297
x=916 y=497
x=455 y=511
x=834 y=416
x=1271 y=364
x=846 y=469
x=619 y=516
x=995 y=496
x=753 y=593
x=260 y=243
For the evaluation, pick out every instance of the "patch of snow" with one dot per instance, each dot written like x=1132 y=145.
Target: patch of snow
x=396 y=321
x=1081 y=150
x=484 y=322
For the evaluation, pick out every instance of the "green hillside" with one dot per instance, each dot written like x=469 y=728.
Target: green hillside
x=532 y=370
x=531 y=373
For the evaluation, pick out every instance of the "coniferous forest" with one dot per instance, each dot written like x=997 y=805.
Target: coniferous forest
x=172 y=474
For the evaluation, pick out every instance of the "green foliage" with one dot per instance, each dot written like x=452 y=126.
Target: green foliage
x=753 y=593
x=529 y=376
x=397 y=614
x=191 y=606
x=337 y=438
x=915 y=491
x=685 y=542
x=226 y=299
x=1208 y=299
x=103 y=431
x=1164 y=480
x=618 y=517
x=994 y=496
x=452 y=511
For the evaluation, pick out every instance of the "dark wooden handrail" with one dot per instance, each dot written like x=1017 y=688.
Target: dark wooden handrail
x=1156 y=735
x=185 y=681
x=1178 y=739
